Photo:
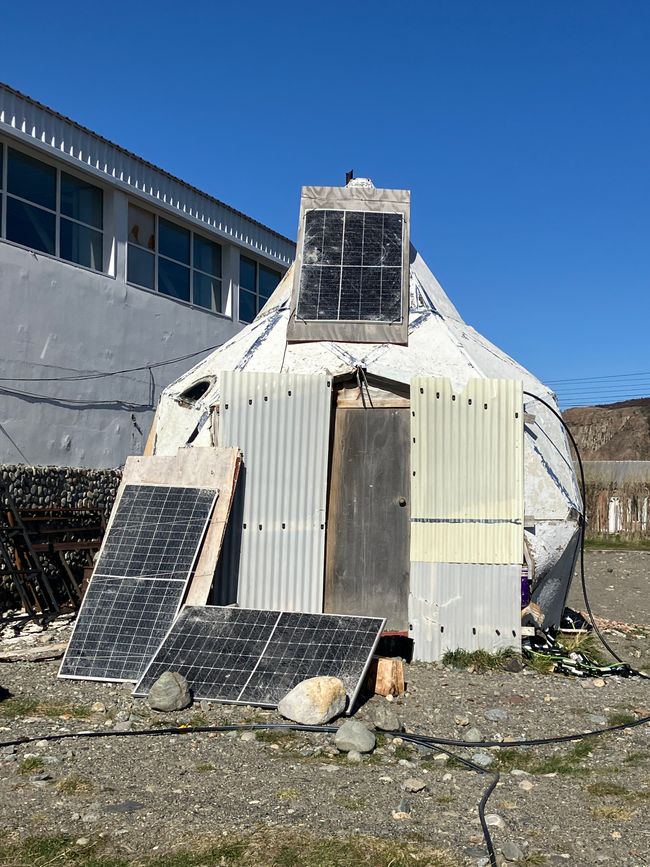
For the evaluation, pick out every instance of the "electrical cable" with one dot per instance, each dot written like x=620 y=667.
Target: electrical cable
x=583 y=493
x=102 y=374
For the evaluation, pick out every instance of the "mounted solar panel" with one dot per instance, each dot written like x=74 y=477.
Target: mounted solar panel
x=352 y=270
x=247 y=656
x=139 y=581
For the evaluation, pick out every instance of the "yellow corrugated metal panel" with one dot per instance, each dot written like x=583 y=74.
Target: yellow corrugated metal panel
x=467 y=494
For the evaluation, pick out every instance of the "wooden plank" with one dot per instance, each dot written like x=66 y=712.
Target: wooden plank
x=34 y=654
x=196 y=467
x=150 y=444
x=201 y=583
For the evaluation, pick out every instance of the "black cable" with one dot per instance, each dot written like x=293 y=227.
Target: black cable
x=583 y=522
x=101 y=374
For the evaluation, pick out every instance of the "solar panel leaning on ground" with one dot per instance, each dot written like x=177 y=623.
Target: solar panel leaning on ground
x=351 y=266
x=249 y=656
x=139 y=581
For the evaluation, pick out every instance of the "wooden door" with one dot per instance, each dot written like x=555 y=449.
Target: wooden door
x=367 y=551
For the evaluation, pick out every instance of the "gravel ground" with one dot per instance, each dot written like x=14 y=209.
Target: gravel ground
x=583 y=803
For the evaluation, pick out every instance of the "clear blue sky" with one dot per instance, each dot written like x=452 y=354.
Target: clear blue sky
x=522 y=129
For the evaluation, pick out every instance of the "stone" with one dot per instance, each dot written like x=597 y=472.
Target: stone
x=384 y=718
x=511 y=851
x=597 y=719
x=473 y=735
x=496 y=714
x=123 y=726
x=355 y=756
x=461 y=721
x=413 y=784
x=353 y=735
x=492 y=820
x=441 y=758
x=248 y=737
x=599 y=682
x=98 y=707
x=526 y=785
x=170 y=692
x=513 y=664
x=314 y=701
x=483 y=760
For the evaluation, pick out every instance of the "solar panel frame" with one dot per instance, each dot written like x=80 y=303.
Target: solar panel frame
x=271 y=660
x=139 y=561
x=321 y=264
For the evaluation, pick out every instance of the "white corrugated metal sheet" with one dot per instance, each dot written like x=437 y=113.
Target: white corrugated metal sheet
x=281 y=422
x=467 y=492
x=464 y=605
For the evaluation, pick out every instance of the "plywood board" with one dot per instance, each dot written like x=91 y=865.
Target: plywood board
x=208 y=467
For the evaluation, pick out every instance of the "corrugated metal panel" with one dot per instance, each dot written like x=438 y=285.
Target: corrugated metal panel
x=467 y=605
x=61 y=137
x=467 y=494
x=281 y=422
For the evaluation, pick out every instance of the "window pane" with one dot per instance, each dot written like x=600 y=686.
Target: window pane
x=247 y=306
x=268 y=281
x=173 y=241
x=31 y=179
x=206 y=291
x=2 y=167
x=139 y=267
x=247 y=270
x=81 y=245
x=207 y=256
x=81 y=201
x=30 y=226
x=173 y=280
x=141 y=228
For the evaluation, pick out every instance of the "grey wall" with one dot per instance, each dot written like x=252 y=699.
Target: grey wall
x=57 y=319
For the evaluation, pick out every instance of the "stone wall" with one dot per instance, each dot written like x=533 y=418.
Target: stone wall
x=61 y=487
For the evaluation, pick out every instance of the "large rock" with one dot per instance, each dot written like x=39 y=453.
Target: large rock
x=314 y=701
x=353 y=735
x=170 y=692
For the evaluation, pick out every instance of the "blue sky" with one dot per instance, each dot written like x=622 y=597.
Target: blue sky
x=522 y=129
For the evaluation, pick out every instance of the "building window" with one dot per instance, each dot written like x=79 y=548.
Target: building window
x=256 y=285
x=175 y=261
x=49 y=210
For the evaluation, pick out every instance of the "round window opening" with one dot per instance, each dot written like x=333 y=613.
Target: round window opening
x=195 y=392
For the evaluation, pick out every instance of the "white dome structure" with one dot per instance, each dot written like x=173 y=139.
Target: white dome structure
x=440 y=344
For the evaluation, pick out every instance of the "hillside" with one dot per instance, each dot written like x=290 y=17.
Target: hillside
x=614 y=432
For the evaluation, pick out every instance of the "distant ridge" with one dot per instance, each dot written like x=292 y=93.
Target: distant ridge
x=612 y=432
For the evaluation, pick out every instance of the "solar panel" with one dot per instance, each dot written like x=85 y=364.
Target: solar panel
x=246 y=656
x=139 y=581
x=351 y=266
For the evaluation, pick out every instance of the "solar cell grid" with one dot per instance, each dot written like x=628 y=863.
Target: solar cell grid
x=255 y=657
x=139 y=581
x=351 y=266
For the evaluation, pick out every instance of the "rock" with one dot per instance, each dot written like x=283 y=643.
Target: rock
x=248 y=737
x=513 y=664
x=496 y=714
x=599 y=682
x=353 y=735
x=441 y=758
x=413 y=785
x=526 y=785
x=473 y=735
x=170 y=692
x=511 y=851
x=314 y=701
x=98 y=707
x=384 y=718
x=124 y=807
x=123 y=726
x=483 y=760
x=204 y=705
x=461 y=721
x=355 y=756
x=492 y=820
x=597 y=719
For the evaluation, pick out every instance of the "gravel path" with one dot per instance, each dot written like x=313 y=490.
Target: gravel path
x=578 y=804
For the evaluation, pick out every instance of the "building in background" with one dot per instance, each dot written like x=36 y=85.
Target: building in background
x=108 y=266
